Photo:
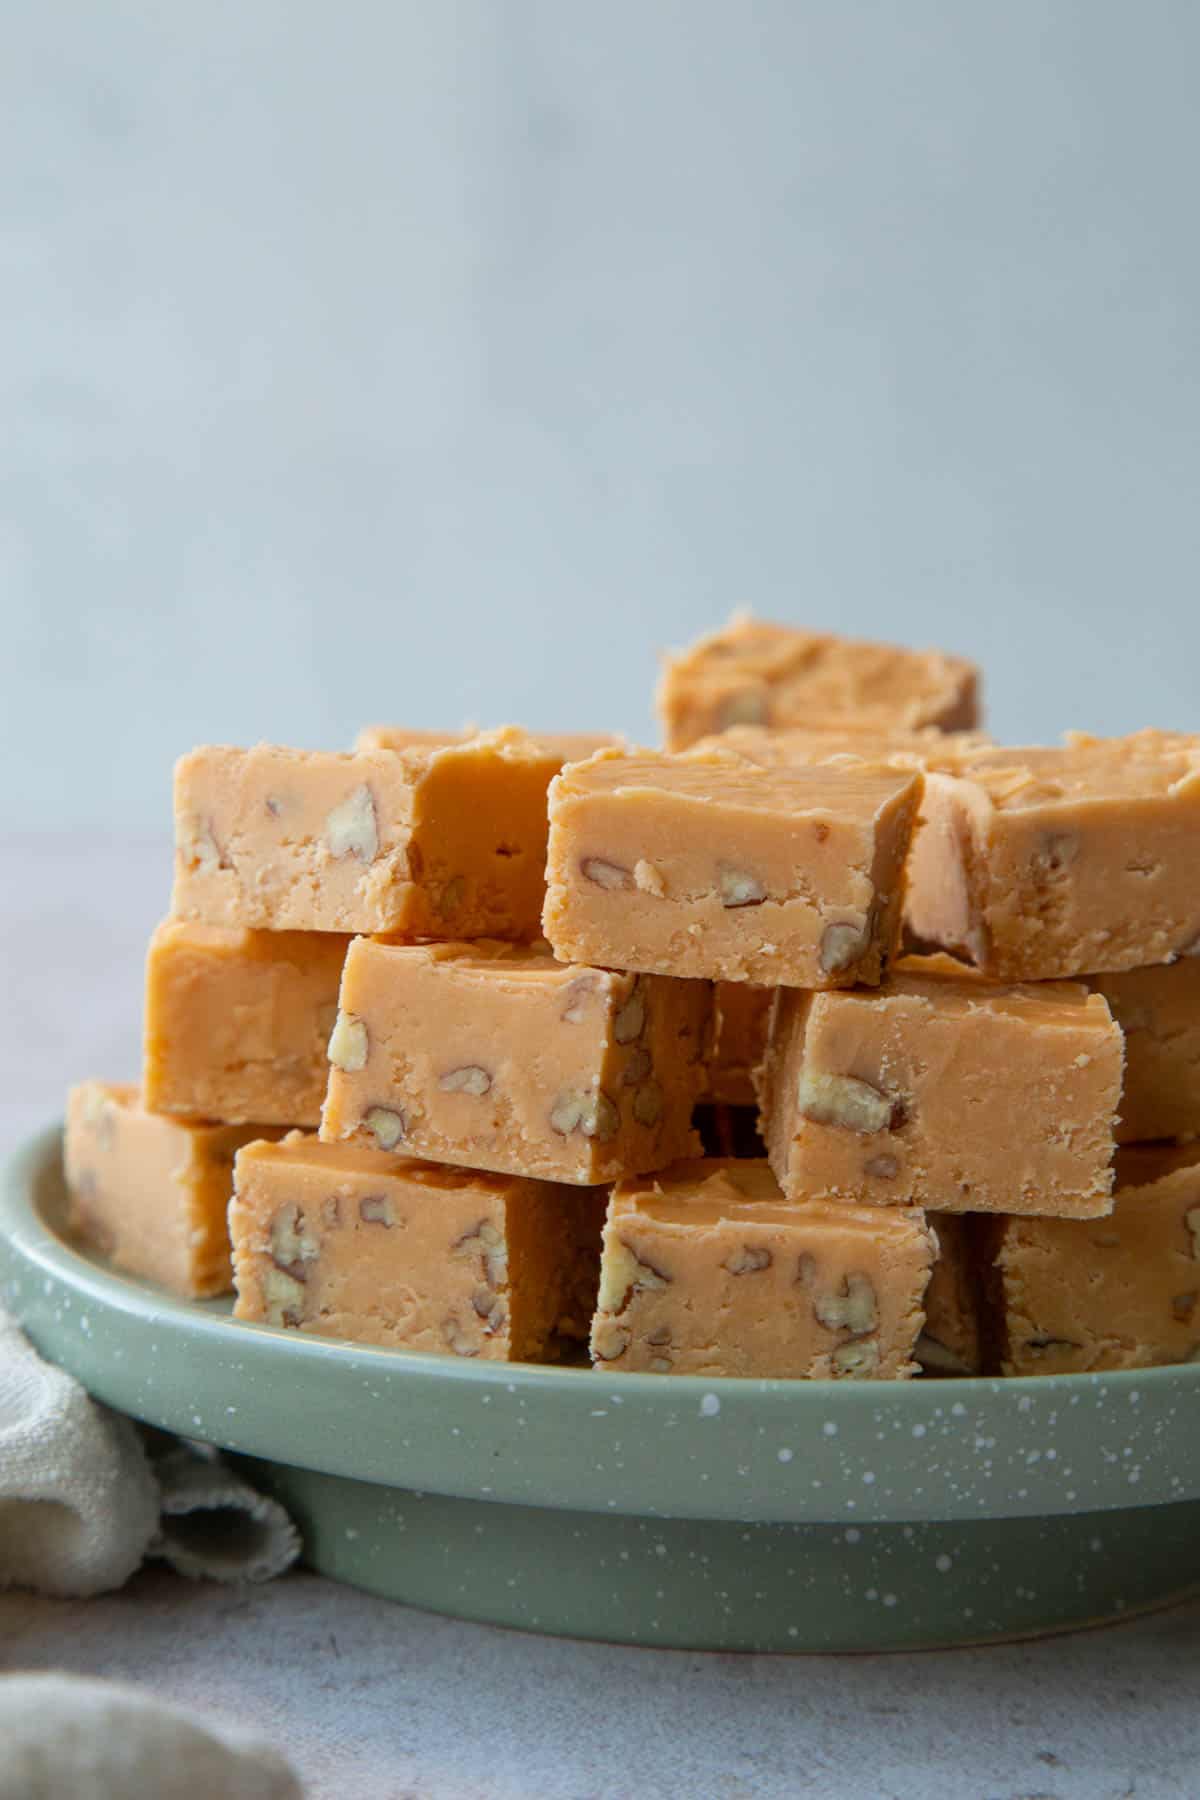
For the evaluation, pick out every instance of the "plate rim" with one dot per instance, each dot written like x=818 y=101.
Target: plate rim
x=30 y=1245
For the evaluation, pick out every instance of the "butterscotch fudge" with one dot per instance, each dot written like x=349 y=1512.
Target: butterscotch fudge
x=709 y=866
x=151 y=1192
x=1058 y=861
x=498 y=1057
x=1120 y=1293
x=1158 y=1009
x=438 y=840
x=237 y=1022
x=708 y=1270
x=950 y=1342
x=834 y=740
x=754 y=673
x=958 y=1096
x=737 y=1042
x=346 y=1242
x=558 y=746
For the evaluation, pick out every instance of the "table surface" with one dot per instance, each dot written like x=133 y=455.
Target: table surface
x=374 y=1701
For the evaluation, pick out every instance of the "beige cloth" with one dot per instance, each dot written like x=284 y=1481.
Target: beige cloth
x=81 y=1505
x=65 y=1736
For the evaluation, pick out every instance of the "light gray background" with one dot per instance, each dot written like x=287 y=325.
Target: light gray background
x=430 y=361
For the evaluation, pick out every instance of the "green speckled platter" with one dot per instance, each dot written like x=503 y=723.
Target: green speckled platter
x=651 y=1509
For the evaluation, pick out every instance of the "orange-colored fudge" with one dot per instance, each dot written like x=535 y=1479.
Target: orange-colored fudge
x=345 y=1242
x=1120 y=1293
x=1050 y=862
x=498 y=1057
x=738 y=1041
x=444 y=840
x=950 y=1343
x=957 y=1096
x=151 y=1192
x=708 y=866
x=237 y=1022
x=753 y=673
x=708 y=1270
x=833 y=741
x=1158 y=1009
x=559 y=746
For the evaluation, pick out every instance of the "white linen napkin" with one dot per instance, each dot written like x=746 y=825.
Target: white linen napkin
x=97 y=1740
x=81 y=1505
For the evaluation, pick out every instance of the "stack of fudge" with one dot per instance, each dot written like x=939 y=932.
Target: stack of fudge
x=800 y=1048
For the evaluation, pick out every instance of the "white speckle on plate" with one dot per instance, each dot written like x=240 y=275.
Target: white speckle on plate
x=943 y=1564
x=918 y=1431
x=784 y=1455
x=710 y=1406
x=829 y=1428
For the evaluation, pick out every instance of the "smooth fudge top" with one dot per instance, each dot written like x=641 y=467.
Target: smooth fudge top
x=1046 y=1004
x=754 y=673
x=716 y=779
x=298 y=1150
x=1145 y=765
x=833 y=740
x=707 y=1190
x=558 y=746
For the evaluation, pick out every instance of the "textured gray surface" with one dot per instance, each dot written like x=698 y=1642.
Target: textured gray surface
x=377 y=1702
x=438 y=360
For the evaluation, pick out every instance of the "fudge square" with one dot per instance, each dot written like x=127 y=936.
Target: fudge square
x=1158 y=1009
x=754 y=673
x=498 y=1057
x=1050 y=862
x=1120 y=1293
x=958 y=1096
x=345 y=1242
x=150 y=1192
x=237 y=1022
x=436 y=840
x=950 y=1342
x=708 y=1270
x=708 y=866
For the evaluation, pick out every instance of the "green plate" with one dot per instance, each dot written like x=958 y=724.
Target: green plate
x=650 y=1509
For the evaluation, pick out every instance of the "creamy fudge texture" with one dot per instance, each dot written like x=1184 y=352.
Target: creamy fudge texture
x=708 y=866
x=498 y=1057
x=151 y=1192
x=1158 y=1009
x=708 y=1270
x=1119 y=1293
x=558 y=747
x=754 y=673
x=846 y=741
x=1051 y=862
x=346 y=1242
x=950 y=1342
x=443 y=840
x=237 y=1022
x=957 y=1096
x=738 y=1041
